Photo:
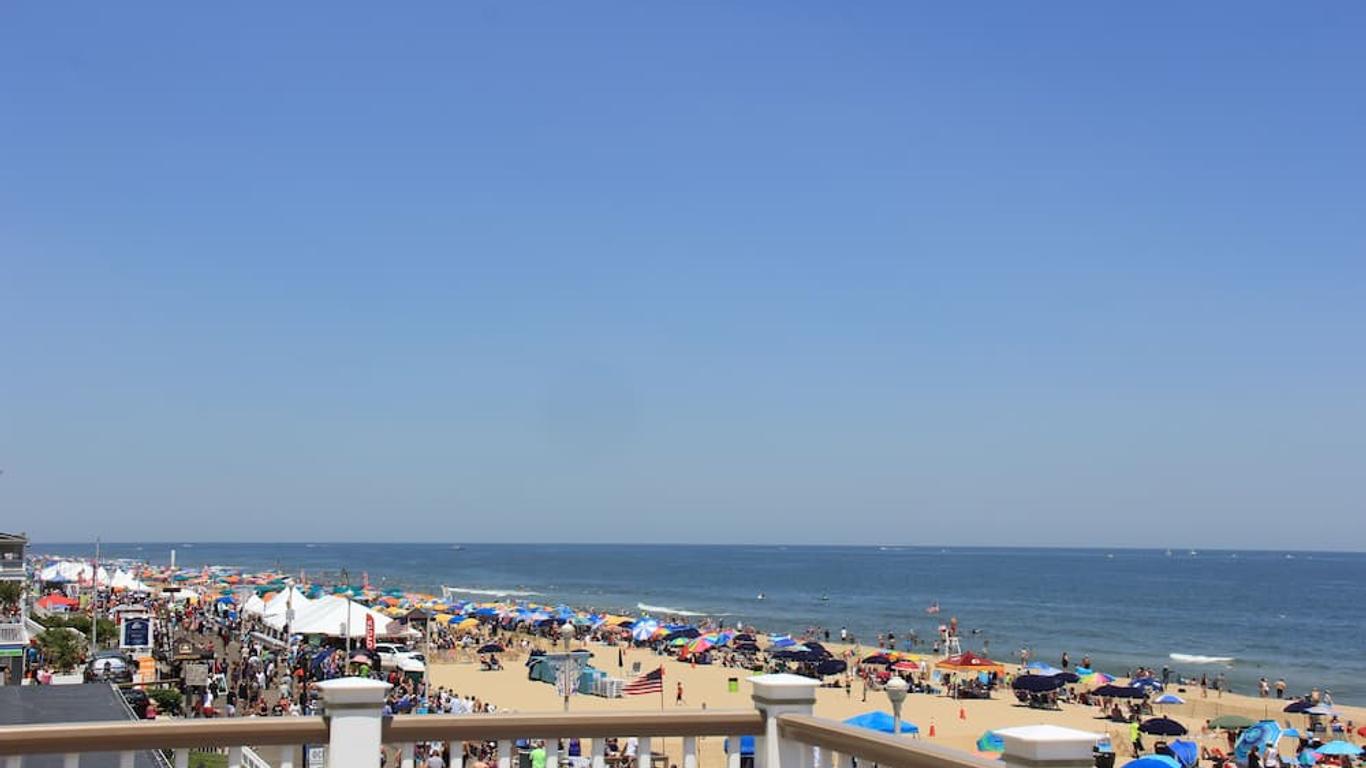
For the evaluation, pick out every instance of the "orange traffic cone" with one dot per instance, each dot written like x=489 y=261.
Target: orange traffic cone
x=962 y=714
x=931 y=729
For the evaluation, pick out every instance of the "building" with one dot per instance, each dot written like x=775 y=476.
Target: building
x=13 y=633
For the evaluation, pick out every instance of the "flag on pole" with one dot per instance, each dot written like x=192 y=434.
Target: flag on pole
x=650 y=682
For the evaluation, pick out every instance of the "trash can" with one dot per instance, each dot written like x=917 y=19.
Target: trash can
x=733 y=684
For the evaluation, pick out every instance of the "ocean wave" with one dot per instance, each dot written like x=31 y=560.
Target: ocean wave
x=667 y=610
x=1191 y=658
x=491 y=592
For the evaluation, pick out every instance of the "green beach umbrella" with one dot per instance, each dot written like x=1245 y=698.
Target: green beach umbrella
x=1231 y=723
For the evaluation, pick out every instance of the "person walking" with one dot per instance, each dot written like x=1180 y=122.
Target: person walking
x=678 y=694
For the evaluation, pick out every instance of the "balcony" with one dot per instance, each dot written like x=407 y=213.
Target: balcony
x=786 y=735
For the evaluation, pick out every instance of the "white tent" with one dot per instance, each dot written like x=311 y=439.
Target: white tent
x=331 y=616
x=254 y=604
x=278 y=604
x=125 y=580
x=67 y=571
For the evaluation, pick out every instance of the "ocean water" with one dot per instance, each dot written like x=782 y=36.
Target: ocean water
x=1297 y=615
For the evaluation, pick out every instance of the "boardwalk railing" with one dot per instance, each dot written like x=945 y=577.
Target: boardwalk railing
x=355 y=732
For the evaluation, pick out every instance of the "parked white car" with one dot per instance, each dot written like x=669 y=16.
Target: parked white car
x=400 y=657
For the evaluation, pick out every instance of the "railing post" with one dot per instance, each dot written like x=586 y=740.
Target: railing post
x=1048 y=746
x=782 y=694
x=353 y=707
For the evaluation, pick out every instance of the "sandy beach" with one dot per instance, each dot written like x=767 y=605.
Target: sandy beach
x=956 y=724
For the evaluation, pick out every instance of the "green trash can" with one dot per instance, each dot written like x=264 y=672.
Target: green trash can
x=733 y=684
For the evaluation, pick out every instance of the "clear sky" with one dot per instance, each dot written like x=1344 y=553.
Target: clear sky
x=882 y=272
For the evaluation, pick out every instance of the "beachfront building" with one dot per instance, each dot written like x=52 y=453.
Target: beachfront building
x=13 y=613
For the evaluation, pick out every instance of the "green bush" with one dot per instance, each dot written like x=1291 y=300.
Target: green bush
x=167 y=699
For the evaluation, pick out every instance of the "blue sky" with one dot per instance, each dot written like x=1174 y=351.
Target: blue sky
x=1063 y=273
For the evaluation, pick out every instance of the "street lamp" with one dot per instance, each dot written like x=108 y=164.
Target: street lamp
x=896 y=693
x=566 y=633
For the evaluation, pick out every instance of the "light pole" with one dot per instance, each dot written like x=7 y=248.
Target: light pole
x=896 y=693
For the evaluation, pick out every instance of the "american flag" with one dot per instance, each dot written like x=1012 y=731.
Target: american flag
x=650 y=682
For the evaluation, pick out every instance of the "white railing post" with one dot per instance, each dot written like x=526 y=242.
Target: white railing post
x=644 y=757
x=1048 y=746
x=599 y=752
x=689 y=752
x=353 y=707
x=776 y=695
x=504 y=754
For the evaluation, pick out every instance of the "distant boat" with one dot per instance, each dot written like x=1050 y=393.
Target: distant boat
x=456 y=547
x=825 y=598
x=1110 y=557
x=1169 y=553
x=760 y=596
x=1193 y=553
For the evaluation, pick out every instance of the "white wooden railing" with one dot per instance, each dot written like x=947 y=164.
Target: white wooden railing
x=354 y=731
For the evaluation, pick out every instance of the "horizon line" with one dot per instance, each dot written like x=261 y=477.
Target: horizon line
x=1125 y=548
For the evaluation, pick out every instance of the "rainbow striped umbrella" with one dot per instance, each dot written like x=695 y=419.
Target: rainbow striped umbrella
x=1097 y=679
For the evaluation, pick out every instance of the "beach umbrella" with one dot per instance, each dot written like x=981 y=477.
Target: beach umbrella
x=1231 y=723
x=1146 y=684
x=1097 y=679
x=1036 y=683
x=781 y=641
x=1162 y=726
x=907 y=666
x=1323 y=710
x=491 y=648
x=1360 y=731
x=1042 y=668
x=828 y=667
x=1068 y=677
x=880 y=659
x=1307 y=758
x=990 y=742
x=1339 y=747
x=1119 y=692
x=1259 y=735
x=698 y=645
x=1153 y=761
x=1169 y=698
x=882 y=722
x=1298 y=705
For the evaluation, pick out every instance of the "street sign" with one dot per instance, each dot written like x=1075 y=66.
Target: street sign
x=196 y=674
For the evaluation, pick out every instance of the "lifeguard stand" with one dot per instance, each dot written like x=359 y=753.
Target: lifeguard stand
x=951 y=646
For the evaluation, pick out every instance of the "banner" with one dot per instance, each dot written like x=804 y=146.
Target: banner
x=369 y=631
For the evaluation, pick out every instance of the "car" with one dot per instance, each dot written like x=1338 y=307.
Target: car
x=411 y=662
x=109 y=666
x=389 y=654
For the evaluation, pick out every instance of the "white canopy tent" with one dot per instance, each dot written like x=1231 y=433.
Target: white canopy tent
x=276 y=605
x=337 y=616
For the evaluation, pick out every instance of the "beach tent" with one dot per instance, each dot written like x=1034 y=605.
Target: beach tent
x=967 y=661
x=254 y=605
x=1187 y=753
x=881 y=722
x=1153 y=761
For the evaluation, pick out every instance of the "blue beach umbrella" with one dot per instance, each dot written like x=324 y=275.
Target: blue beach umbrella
x=1153 y=761
x=1258 y=735
x=1339 y=747
x=882 y=722
x=1290 y=733
x=1146 y=684
x=781 y=641
x=1041 y=668
x=1169 y=698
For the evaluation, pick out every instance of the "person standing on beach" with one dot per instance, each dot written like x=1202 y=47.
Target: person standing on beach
x=1280 y=688
x=678 y=694
x=1066 y=661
